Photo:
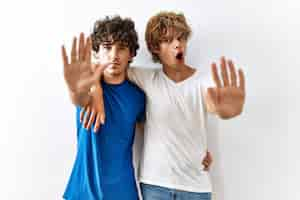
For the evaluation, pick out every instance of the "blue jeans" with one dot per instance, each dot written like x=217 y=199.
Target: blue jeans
x=152 y=192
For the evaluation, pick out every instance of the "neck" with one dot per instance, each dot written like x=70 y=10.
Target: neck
x=114 y=79
x=178 y=73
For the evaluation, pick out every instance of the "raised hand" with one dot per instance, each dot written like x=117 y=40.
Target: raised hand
x=228 y=97
x=78 y=73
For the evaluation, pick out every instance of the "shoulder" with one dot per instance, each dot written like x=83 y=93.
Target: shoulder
x=136 y=97
x=142 y=70
x=142 y=76
x=203 y=78
x=135 y=89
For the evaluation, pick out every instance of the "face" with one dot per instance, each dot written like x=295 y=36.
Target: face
x=116 y=56
x=172 y=50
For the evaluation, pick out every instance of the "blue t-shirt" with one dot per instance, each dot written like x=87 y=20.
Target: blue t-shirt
x=103 y=169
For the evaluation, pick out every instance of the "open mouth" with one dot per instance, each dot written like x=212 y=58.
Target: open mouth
x=179 y=56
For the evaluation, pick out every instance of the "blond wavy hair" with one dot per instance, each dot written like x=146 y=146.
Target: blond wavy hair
x=164 y=27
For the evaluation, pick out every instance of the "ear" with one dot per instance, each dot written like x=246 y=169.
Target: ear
x=131 y=57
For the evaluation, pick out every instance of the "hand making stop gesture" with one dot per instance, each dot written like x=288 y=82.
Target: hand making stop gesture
x=79 y=74
x=228 y=97
x=83 y=80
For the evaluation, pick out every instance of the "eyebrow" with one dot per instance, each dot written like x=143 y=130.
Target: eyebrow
x=120 y=43
x=107 y=43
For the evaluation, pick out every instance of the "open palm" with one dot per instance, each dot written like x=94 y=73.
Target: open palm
x=226 y=99
x=79 y=73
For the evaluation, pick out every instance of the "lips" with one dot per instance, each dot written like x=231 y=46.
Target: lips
x=115 y=63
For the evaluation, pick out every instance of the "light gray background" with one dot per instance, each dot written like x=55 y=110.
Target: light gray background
x=255 y=155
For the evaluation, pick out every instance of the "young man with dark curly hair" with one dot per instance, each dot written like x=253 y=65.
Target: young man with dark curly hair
x=178 y=101
x=103 y=168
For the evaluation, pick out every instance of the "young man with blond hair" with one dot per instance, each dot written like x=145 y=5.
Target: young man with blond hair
x=176 y=111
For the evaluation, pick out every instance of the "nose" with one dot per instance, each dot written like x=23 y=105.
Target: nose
x=176 y=44
x=114 y=53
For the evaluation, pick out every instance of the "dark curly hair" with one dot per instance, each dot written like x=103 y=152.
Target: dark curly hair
x=115 y=29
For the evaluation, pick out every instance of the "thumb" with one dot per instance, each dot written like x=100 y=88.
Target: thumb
x=212 y=95
x=99 y=69
x=98 y=72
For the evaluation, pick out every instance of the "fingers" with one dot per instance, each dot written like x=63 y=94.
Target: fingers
x=233 y=81
x=88 y=46
x=82 y=114
x=224 y=72
x=206 y=166
x=91 y=120
x=64 y=56
x=209 y=157
x=81 y=47
x=97 y=123
x=207 y=161
x=242 y=79
x=102 y=111
x=74 y=51
x=88 y=120
x=102 y=118
x=101 y=67
x=215 y=75
x=98 y=72
x=87 y=116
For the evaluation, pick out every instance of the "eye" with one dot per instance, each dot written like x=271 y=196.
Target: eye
x=182 y=37
x=167 y=40
x=106 y=47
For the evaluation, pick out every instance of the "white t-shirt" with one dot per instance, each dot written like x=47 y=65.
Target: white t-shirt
x=175 y=131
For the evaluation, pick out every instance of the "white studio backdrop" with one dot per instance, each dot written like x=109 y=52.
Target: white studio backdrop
x=255 y=155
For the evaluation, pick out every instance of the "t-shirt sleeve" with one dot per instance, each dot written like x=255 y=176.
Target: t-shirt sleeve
x=141 y=76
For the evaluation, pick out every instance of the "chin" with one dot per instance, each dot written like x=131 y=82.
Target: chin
x=115 y=72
